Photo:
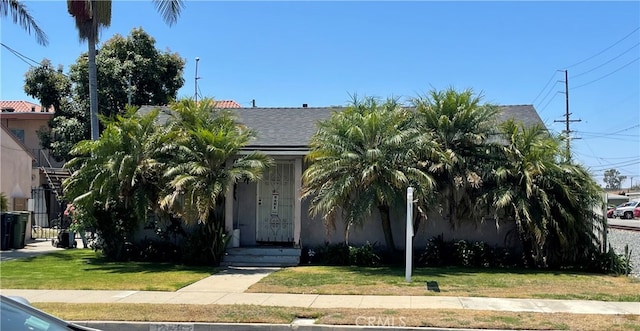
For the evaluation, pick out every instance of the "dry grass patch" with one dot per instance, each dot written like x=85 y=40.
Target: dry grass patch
x=502 y=283
x=377 y=317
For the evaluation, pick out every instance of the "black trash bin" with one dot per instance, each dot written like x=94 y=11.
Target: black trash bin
x=6 y=231
x=20 y=229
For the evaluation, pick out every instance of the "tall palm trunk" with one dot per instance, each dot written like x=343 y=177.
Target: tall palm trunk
x=93 y=88
x=386 y=227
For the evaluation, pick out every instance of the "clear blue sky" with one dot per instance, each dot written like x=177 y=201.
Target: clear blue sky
x=284 y=54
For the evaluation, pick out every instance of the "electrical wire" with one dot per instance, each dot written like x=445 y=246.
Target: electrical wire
x=545 y=87
x=613 y=165
x=545 y=106
x=621 y=130
x=549 y=92
x=24 y=58
x=604 y=50
x=600 y=66
x=607 y=158
x=21 y=56
x=607 y=75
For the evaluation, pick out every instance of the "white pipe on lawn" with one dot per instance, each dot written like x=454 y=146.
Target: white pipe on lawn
x=409 y=238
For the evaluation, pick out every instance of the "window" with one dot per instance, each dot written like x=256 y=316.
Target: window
x=19 y=133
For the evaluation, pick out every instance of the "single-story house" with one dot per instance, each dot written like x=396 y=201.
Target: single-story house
x=271 y=213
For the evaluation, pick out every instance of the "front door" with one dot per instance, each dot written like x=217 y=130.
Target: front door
x=274 y=222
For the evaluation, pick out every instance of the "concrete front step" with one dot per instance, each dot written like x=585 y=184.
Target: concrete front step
x=262 y=257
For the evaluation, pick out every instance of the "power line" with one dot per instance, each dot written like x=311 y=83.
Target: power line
x=37 y=64
x=549 y=92
x=554 y=96
x=545 y=87
x=609 y=137
x=20 y=56
x=600 y=66
x=607 y=158
x=621 y=130
x=615 y=165
x=599 y=134
x=604 y=50
x=607 y=75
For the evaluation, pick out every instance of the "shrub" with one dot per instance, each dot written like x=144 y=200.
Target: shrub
x=149 y=250
x=610 y=262
x=342 y=254
x=364 y=256
x=332 y=254
x=439 y=252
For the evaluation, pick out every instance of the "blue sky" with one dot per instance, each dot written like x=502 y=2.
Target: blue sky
x=284 y=54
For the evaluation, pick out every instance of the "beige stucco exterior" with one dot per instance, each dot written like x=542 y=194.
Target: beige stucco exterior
x=15 y=168
x=311 y=232
x=30 y=124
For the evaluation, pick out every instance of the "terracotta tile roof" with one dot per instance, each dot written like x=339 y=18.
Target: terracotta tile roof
x=226 y=104
x=22 y=107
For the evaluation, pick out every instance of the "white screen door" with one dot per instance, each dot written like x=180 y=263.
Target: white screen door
x=275 y=204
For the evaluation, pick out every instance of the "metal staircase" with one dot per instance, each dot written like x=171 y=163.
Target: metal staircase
x=55 y=177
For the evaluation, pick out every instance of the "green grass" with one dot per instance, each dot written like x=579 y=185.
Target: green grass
x=83 y=269
x=508 y=283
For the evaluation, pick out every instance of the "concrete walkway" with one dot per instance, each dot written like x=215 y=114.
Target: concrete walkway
x=228 y=287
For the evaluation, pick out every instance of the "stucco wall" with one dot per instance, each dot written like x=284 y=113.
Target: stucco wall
x=314 y=233
x=15 y=169
x=30 y=127
x=31 y=123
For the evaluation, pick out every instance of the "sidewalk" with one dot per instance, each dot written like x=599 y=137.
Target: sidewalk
x=228 y=286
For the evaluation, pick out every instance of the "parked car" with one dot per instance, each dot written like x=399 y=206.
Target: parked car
x=16 y=314
x=628 y=210
x=610 y=210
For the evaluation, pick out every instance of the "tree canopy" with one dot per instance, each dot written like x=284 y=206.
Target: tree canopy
x=130 y=68
x=613 y=179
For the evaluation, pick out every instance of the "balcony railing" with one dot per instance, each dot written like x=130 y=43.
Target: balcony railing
x=43 y=158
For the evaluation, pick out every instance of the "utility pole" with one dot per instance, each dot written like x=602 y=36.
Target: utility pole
x=196 y=79
x=567 y=114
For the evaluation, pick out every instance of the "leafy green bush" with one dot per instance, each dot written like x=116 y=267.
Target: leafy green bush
x=332 y=254
x=342 y=254
x=149 y=250
x=364 y=256
x=439 y=252
x=610 y=262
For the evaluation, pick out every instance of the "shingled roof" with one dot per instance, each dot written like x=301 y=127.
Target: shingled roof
x=289 y=129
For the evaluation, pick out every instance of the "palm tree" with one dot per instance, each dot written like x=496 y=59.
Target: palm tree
x=203 y=144
x=115 y=175
x=363 y=158
x=92 y=15
x=461 y=126
x=551 y=201
x=21 y=16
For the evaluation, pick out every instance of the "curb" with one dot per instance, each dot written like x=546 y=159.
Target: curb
x=305 y=325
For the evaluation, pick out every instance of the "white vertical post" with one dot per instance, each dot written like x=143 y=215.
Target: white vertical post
x=409 y=239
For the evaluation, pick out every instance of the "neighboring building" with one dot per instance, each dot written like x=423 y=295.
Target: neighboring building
x=270 y=212
x=22 y=120
x=227 y=104
x=16 y=164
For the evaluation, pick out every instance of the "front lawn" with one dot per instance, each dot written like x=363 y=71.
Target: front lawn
x=451 y=281
x=83 y=269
